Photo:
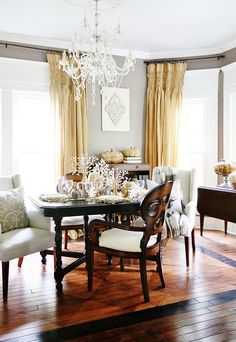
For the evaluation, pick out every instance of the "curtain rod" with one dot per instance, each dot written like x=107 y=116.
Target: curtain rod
x=163 y=60
x=6 y=44
x=183 y=59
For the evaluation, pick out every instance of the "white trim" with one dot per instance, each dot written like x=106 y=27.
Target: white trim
x=63 y=44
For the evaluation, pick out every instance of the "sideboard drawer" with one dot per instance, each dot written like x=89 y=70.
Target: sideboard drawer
x=134 y=169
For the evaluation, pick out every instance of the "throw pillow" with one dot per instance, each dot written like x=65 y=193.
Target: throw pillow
x=12 y=210
x=172 y=220
x=175 y=201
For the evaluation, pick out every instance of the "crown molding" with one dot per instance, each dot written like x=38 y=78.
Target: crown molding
x=35 y=41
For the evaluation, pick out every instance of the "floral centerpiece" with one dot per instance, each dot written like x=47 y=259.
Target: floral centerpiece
x=110 y=179
x=224 y=168
x=105 y=178
x=83 y=165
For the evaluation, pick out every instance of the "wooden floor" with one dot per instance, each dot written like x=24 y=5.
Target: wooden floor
x=198 y=303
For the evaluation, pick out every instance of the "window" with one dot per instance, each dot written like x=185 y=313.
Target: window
x=33 y=140
x=230 y=112
x=192 y=139
x=198 y=142
x=27 y=143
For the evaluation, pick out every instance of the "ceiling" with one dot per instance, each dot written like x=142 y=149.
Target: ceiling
x=151 y=28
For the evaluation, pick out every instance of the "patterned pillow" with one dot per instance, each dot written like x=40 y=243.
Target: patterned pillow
x=176 y=196
x=12 y=210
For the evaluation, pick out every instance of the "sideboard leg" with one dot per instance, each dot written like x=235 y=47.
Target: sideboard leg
x=201 y=224
x=226 y=225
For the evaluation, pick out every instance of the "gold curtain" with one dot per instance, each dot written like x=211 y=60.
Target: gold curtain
x=71 y=117
x=164 y=96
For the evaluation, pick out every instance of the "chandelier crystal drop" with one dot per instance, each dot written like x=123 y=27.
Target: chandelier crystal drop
x=90 y=60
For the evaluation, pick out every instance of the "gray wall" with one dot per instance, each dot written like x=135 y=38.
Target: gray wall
x=100 y=141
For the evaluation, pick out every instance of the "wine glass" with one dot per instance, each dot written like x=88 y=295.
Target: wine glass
x=90 y=189
x=68 y=186
x=87 y=189
x=81 y=190
x=141 y=183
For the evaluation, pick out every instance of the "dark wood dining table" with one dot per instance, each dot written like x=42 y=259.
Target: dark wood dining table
x=58 y=210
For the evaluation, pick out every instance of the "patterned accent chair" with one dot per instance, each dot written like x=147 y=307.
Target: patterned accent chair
x=180 y=216
x=24 y=230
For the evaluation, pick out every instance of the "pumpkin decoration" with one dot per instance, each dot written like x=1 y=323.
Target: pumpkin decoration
x=131 y=152
x=112 y=157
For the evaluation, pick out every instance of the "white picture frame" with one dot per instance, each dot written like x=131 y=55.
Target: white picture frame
x=115 y=109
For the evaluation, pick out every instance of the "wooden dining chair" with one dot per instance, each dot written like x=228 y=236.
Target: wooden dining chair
x=129 y=241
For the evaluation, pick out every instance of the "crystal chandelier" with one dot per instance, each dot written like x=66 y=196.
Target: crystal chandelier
x=90 y=60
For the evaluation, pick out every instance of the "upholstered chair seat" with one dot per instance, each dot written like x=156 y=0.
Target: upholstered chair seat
x=123 y=240
x=21 y=242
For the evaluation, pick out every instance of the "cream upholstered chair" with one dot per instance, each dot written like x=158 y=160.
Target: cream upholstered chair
x=180 y=216
x=24 y=230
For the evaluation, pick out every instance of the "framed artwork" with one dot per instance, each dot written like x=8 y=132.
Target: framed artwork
x=115 y=109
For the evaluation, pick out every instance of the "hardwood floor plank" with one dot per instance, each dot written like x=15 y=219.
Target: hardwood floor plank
x=198 y=300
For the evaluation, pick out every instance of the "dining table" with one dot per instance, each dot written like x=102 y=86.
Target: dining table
x=58 y=210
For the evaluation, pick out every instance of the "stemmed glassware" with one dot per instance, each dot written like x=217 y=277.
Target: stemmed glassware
x=68 y=186
x=86 y=190
x=141 y=183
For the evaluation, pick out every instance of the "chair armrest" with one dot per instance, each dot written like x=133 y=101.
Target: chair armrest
x=35 y=216
x=38 y=220
x=190 y=210
x=94 y=224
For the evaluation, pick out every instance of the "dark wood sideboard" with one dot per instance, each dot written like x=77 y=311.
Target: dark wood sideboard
x=218 y=202
x=135 y=170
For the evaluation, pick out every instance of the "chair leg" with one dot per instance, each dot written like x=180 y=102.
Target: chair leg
x=54 y=258
x=186 y=242
x=159 y=268
x=20 y=261
x=90 y=261
x=44 y=259
x=65 y=239
x=122 y=267
x=193 y=239
x=5 y=277
x=143 y=273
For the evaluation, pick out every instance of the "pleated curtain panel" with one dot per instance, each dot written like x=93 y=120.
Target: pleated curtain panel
x=164 y=98
x=70 y=117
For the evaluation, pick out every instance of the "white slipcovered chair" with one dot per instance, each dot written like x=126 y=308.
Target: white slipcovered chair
x=23 y=230
x=180 y=216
